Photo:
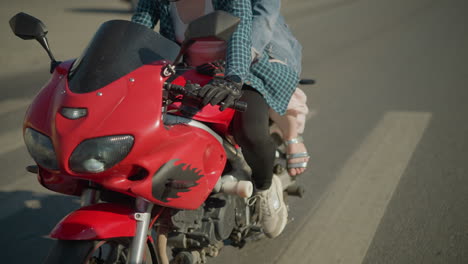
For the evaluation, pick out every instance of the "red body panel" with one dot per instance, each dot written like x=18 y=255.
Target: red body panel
x=99 y=221
x=131 y=105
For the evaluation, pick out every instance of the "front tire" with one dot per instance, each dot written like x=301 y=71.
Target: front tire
x=113 y=251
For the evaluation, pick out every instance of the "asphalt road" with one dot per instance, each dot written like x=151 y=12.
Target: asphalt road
x=388 y=181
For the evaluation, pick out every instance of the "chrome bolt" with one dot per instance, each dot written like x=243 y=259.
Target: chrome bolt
x=132 y=80
x=99 y=94
x=168 y=70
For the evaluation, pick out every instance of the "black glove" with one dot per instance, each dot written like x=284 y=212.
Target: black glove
x=226 y=90
x=214 y=69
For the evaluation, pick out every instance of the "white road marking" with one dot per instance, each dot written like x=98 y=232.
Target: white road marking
x=343 y=225
x=11 y=105
x=33 y=204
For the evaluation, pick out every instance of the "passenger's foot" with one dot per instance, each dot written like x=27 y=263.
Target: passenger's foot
x=273 y=209
x=297 y=156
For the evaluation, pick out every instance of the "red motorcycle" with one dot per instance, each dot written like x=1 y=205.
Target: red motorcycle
x=122 y=127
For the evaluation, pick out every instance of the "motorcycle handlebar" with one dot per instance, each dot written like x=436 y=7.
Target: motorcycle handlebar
x=175 y=88
x=240 y=106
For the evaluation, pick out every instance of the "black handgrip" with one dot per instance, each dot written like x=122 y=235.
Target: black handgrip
x=240 y=106
x=175 y=88
x=306 y=81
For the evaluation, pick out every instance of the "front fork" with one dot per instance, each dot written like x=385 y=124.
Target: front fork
x=142 y=216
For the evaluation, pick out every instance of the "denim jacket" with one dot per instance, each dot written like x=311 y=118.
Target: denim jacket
x=271 y=34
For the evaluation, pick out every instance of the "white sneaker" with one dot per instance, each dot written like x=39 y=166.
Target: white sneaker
x=273 y=209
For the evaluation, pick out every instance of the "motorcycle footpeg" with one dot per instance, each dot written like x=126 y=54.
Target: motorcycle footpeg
x=256 y=234
x=295 y=190
x=256 y=229
x=32 y=169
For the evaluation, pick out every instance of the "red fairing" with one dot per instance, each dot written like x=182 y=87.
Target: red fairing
x=99 y=221
x=177 y=166
x=58 y=182
x=38 y=113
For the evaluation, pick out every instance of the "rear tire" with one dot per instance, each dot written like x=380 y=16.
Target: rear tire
x=94 y=252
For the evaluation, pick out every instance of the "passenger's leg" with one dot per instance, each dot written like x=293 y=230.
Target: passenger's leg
x=251 y=132
x=288 y=125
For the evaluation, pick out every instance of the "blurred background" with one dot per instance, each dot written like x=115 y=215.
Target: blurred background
x=387 y=133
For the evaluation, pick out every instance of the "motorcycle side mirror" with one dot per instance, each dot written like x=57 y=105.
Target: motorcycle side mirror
x=219 y=25
x=28 y=27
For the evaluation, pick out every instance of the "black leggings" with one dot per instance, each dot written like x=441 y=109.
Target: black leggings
x=251 y=131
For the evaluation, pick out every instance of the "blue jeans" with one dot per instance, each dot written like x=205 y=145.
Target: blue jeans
x=270 y=33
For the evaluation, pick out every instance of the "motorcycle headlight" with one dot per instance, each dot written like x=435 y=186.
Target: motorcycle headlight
x=99 y=154
x=41 y=149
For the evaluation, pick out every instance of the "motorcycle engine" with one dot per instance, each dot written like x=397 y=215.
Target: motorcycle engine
x=208 y=225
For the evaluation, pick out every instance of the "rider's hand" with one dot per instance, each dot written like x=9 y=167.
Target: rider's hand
x=214 y=69
x=226 y=90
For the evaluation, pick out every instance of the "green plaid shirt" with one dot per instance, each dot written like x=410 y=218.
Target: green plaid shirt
x=275 y=81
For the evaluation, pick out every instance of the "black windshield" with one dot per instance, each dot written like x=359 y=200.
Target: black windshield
x=118 y=48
